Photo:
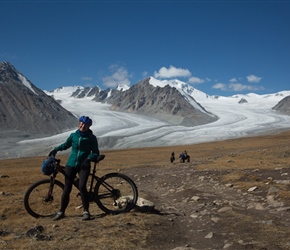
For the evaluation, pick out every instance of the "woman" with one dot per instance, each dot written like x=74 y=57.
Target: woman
x=84 y=149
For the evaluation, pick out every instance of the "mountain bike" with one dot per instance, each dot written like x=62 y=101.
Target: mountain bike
x=114 y=193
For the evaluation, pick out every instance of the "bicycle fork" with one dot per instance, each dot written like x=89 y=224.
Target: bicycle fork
x=49 y=196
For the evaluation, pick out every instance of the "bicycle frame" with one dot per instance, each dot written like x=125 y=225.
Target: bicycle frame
x=61 y=169
x=94 y=176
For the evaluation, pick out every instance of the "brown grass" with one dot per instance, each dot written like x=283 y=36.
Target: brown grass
x=131 y=230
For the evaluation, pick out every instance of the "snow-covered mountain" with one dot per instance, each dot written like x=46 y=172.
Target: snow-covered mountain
x=120 y=122
x=128 y=130
x=172 y=102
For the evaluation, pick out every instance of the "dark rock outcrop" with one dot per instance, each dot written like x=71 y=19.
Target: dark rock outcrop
x=283 y=106
x=166 y=104
x=26 y=108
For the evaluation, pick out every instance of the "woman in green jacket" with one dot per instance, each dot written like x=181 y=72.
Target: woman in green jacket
x=84 y=149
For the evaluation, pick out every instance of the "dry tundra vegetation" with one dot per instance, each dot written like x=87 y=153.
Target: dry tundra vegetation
x=234 y=194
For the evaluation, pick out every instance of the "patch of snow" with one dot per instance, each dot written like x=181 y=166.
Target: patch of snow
x=26 y=83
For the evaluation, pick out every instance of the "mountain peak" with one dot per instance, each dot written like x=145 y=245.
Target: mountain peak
x=26 y=108
x=8 y=72
x=122 y=87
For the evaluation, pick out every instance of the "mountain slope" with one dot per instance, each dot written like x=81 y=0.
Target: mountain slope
x=24 y=107
x=171 y=102
x=165 y=103
x=283 y=106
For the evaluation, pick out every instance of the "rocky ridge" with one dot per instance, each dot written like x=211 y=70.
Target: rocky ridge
x=25 y=109
x=165 y=103
x=283 y=106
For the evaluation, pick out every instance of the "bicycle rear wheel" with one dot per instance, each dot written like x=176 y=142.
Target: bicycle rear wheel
x=40 y=202
x=116 y=193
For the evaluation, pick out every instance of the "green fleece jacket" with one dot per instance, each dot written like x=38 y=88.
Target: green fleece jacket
x=84 y=145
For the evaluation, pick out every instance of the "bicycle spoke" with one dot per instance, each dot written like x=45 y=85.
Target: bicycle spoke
x=38 y=200
x=116 y=193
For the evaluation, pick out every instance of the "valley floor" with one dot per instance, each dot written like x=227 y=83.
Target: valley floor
x=234 y=194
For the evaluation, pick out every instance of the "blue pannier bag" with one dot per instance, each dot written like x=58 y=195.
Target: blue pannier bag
x=48 y=166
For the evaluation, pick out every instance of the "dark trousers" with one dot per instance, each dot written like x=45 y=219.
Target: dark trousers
x=70 y=174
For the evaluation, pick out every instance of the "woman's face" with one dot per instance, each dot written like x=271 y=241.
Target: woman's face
x=83 y=127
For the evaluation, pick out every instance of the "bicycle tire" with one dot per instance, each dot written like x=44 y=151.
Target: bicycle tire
x=116 y=193
x=36 y=203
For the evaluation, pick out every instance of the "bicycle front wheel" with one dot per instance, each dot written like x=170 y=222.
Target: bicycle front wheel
x=116 y=193
x=41 y=201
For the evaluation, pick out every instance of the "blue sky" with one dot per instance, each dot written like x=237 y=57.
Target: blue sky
x=219 y=47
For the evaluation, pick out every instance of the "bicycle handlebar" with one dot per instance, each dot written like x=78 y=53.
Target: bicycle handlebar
x=98 y=159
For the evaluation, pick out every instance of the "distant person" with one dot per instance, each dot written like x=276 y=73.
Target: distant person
x=84 y=149
x=172 y=158
x=184 y=157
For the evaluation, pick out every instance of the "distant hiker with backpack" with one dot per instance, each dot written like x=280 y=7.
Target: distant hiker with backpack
x=184 y=157
x=85 y=149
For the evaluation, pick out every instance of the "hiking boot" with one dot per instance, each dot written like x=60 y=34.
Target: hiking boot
x=59 y=215
x=86 y=215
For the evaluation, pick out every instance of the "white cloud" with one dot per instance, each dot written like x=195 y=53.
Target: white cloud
x=172 y=72
x=220 y=86
x=253 y=79
x=236 y=87
x=195 y=80
x=233 y=80
x=242 y=87
x=86 y=78
x=119 y=76
x=239 y=87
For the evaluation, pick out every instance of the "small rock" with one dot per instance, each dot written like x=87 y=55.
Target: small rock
x=35 y=230
x=215 y=219
x=252 y=189
x=209 y=235
x=144 y=205
x=195 y=198
x=259 y=207
x=224 y=209
x=3 y=233
x=193 y=216
x=227 y=245
x=281 y=209
x=284 y=182
x=35 y=233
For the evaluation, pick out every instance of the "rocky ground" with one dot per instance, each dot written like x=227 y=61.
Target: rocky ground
x=208 y=209
x=233 y=194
